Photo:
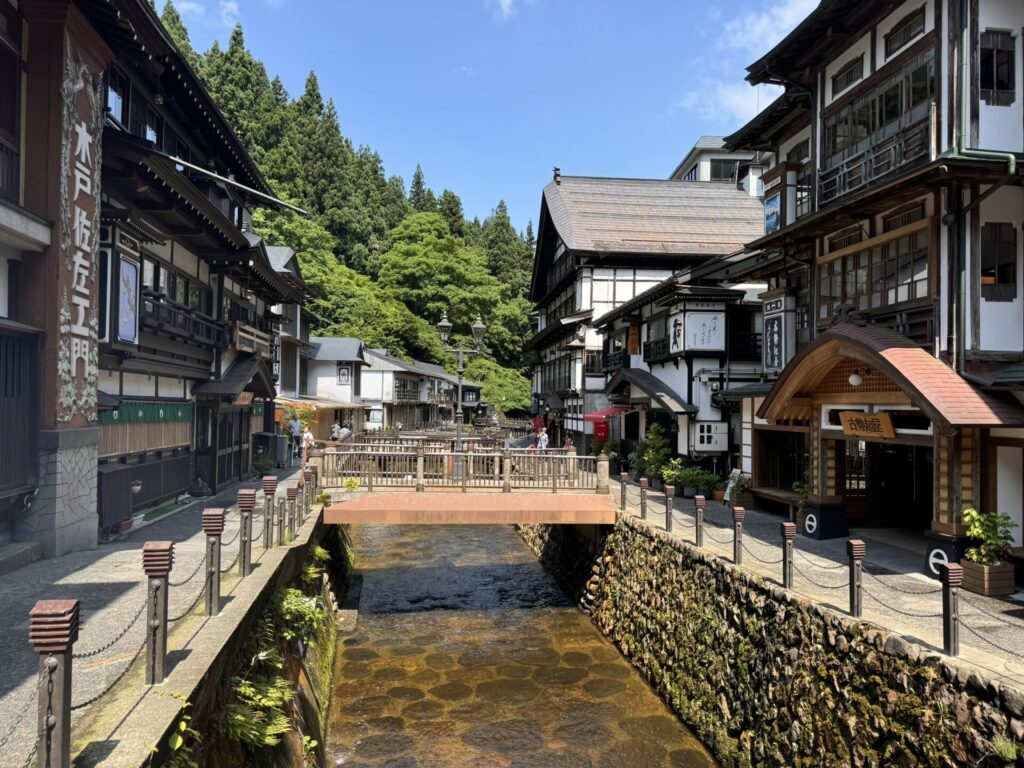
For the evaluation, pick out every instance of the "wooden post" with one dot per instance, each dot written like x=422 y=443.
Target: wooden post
x=246 y=505
x=506 y=483
x=738 y=516
x=855 y=551
x=699 y=502
x=952 y=576
x=307 y=475
x=670 y=495
x=602 y=474
x=623 y=479
x=213 y=527
x=419 y=468
x=269 y=488
x=157 y=561
x=280 y=522
x=788 y=537
x=293 y=495
x=52 y=632
x=643 y=498
x=554 y=472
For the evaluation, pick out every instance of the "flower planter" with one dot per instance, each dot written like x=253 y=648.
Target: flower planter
x=689 y=493
x=744 y=499
x=718 y=495
x=988 y=580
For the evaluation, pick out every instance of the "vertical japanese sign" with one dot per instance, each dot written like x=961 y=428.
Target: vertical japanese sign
x=773 y=355
x=78 y=352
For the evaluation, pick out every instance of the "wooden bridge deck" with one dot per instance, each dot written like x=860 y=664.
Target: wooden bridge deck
x=441 y=508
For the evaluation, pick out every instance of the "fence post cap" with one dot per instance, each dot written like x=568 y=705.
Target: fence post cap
x=700 y=501
x=293 y=492
x=623 y=477
x=247 y=499
x=951 y=574
x=157 y=557
x=307 y=474
x=269 y=484
x=644 y=483
x=788 y=531
x=603 y=457
x=739 y=514
x=53 y=625
x=213 y=521
x=670 y=491
x=855 y=549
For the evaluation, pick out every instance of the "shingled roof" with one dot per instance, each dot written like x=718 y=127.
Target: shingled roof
x=652 y=216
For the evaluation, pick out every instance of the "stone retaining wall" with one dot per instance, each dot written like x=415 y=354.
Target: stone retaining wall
x=767 y=679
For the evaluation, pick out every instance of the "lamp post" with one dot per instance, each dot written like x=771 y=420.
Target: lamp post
x=478 y=329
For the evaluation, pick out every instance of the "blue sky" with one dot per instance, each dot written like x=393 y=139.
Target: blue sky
x=489 y=95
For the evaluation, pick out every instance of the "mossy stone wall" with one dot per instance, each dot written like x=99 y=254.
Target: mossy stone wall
x=766 y=679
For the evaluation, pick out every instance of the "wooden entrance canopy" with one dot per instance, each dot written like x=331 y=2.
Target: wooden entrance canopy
x=903 y=368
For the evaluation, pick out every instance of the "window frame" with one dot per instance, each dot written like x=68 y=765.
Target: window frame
x=846 y=72
x=907 y=24
x=999 y=290
x=995 y=96
x=123 y=119
x=726 y=162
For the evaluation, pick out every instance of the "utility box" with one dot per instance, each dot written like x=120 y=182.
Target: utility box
x=711 y=437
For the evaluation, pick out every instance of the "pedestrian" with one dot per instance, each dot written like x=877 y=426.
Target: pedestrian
x=295 y=430
x=567 y=443
x=307 y=442
x=336 y=432
x=398 y=426
x=345 y=434
x=542 y=440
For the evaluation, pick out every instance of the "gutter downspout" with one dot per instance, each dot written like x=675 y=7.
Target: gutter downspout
x=962 y=150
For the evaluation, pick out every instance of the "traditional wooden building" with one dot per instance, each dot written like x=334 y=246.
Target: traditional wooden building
x=138 y=334
x=601 y=243
x=894 y=319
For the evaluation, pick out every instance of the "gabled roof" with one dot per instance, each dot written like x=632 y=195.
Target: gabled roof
x=340 y=349
x=423 y=369
x=247 y=372
x=651 y=386
x=766 y=127
x=652 y=216
x=668 y=292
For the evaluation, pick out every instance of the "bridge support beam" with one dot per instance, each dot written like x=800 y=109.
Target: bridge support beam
x=455 y=508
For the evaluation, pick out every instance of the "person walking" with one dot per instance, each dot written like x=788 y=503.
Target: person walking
x=295 y=431
x=542 y=440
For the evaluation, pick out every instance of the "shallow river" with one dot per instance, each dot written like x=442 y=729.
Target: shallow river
x=468 y=654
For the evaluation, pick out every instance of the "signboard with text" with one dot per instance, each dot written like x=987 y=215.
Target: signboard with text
x=860 y=424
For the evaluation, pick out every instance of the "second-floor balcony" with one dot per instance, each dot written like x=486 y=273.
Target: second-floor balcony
x=903 y=149
x=249 y=339
x=160 y=314
x=656 y=350
x=9 y=171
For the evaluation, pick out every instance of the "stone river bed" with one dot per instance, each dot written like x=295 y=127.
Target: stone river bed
x=467 y=653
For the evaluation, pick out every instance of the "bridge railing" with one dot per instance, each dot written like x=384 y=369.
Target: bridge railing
x=495 y=470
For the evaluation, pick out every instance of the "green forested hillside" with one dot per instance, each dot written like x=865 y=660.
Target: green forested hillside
x=383 y=264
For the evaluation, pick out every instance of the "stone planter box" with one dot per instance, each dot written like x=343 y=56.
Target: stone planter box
x=988 y=580
x=688 y=493
x=745 y=499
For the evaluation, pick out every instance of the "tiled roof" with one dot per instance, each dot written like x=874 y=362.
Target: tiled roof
x=942 y=394
x=279 y=256
x=651 y=216
x=336 y=348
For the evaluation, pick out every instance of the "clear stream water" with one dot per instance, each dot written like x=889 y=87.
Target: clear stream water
x=468 y=654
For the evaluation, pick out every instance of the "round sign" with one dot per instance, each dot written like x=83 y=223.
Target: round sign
x=936 y=558
x=810 y=524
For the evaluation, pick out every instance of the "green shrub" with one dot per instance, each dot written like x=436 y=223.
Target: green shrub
x=994 y=533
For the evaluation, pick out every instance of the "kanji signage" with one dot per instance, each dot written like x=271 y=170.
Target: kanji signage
x=860 y=424
x=633 y=341
x=774 y=357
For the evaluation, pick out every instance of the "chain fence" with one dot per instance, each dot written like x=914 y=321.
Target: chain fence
x=757 y=557
x=817 y=583
x=28 y=708
x=187 y=579
x=111 y=643
x=188 y=610
x=110 y=686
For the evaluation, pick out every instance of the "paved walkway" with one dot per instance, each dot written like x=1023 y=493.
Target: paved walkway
x=111 y=586
x=896 y=594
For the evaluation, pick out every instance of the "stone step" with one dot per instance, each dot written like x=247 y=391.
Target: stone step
x=19 y=553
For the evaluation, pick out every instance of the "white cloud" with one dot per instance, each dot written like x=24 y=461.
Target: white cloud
x=466 y=70
x=716 y=90
x=190 y=8
x=227 y=12
x=506 y=8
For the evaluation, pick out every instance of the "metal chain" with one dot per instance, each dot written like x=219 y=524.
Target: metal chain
x=819 y=565
x=900 y=611
x=122 y=633
x=188 y=610
x=707 y=532
x=684 y=520
x=900 y=589
x=758 y=557
x=232 y=564
x=1003 y=648
x=199 y=566
x=996 y=616
x=225 y=542
x=818 y=583
x=32 y=754
x=115 y=681
x=25 y=711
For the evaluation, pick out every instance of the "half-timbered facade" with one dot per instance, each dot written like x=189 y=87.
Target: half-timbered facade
x=894 y=213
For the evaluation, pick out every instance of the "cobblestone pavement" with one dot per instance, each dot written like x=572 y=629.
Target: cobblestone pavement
x=896 y=594
x=111 y=586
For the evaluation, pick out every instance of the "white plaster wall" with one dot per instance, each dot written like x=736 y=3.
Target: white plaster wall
x=138 y=385
x=1002 y=322
x=798 y=138
x=1009 y=488
x=373 y=387
x=109 y=382
x=1002 y=127
x=323 y=380
x=890 y=21
x=171 y=387
x=860 y=48
x=185 y=260
x=757 y=405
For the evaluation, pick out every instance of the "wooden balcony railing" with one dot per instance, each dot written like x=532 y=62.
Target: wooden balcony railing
x=161 y=314
x=910 y=145
x=249 y=339
x=19 y=412
x=615 y=360
x=656 y=349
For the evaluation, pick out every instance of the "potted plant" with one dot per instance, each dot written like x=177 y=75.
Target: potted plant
x=738 y=491
x=988 y=569
x=715 y=487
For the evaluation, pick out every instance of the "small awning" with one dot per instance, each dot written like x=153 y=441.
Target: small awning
x=554 y=403
x=653 y=387
x=606 y=413
x=319 y=402
x=247 y=373
x=741 y=391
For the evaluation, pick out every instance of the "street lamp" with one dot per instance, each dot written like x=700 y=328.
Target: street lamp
x=478 y=329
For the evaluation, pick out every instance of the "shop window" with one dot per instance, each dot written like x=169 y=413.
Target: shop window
x=117 y=96
x=998 y=65
x=906 y=29
x=998 y=262
x=657 y=328
x=848 y=75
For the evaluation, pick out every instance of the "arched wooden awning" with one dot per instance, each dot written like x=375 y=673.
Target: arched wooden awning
x=946 y=398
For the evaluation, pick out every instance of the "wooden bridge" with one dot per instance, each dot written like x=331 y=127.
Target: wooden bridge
x=431 y=484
